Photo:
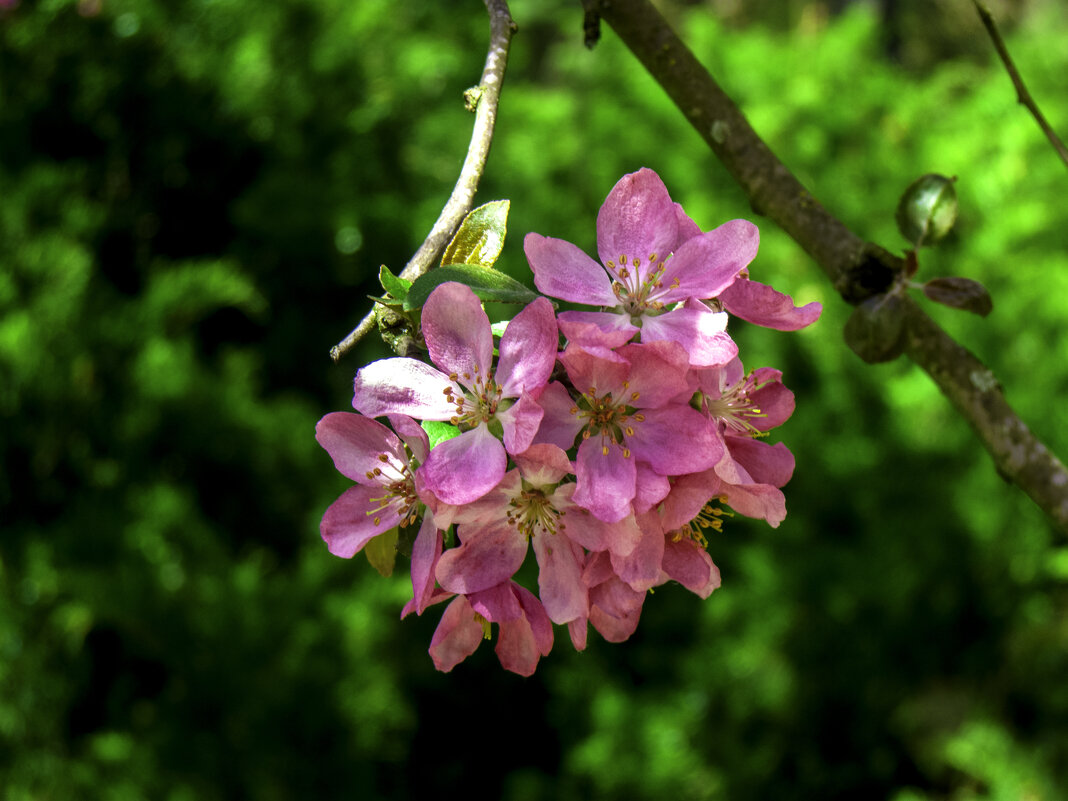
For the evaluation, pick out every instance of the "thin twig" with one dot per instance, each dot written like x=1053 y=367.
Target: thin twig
x=857 y=268
x=1022 y=95
x=484 y=98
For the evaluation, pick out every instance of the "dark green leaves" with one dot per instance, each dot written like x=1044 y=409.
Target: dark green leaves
x=487 y=283
x=481 y=236
x=960 y=293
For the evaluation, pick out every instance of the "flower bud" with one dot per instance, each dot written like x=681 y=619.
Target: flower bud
x=927 y=210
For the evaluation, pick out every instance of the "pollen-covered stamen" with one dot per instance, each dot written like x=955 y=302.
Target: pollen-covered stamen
x=531 y=512
x=399 y=483
x=478 y=404
x=637 y=289
x=735 y=408
x=607 y=418
x=709 y=518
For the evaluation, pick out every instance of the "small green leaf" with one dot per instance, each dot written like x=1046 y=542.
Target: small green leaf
x=487 y=283
x=498 y=328
x=960 y=293
x=396 y=287
x=927 y=210
x=381 y=552
x=438 y=431
x=481 y=236
x=875 y=330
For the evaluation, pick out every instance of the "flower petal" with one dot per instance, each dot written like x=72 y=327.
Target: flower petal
x=705 y=265
x=637 y=220
x=457 y=636
x=355 y=443
x=559 y=577
x=676 y=440
x=355 y=519
x=403 y=386
x=487 y=556
x=601 y=329
x=426 y=550
x=464 y=468
x=528 y=350
x=562 y=270
x=689 y=564
x=640 y=569
x=457 y=332
x=605 y=481
x=701 y=333
x=759 y=303
x=520 y=423
x=558 y=426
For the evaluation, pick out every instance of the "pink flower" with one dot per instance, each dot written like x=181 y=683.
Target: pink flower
x=525 y=633
x=529 y=505
x=385 y=496
x=648 y=265
x=628 y=412
x=466 y=391
x=744 y=408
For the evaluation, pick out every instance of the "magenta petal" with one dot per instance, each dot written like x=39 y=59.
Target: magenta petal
x=652 y=488
x=559 y=578
x=412 y=433
x=759 y=501
x=528 y=350
x=688 y=497
x=559 y=426
x=774 y=400
x=595 y=370
x=522 y=642
x=354 y=519
x=457 y=332
x=600 y=329
x=640 y=569
x=497 y=604
x=520 y=423
x=615 y=609
x=636 y=220
x=767 y=464
x=706 y=265
x=676 y=440
x=426 y=551
x=403 y=386
x=701 y=333
x=488 y=556
x=688 y=229
x=659 y=371
x=543 y=465
x=689 y=564
x=355 y=443
x=464 y=468
x=759 y=303
x=562 y=270
x=619 y=537
x=457 y=635
x=577 y=629
x=605 y=481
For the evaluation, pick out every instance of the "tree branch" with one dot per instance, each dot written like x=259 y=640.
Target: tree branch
x=857 y=268
x=483 y=101
x=1022 y=95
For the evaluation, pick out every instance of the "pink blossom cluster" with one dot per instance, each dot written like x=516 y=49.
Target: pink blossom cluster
x=606 y=441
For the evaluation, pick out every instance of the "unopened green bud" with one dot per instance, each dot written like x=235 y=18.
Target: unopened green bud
x=927 y=210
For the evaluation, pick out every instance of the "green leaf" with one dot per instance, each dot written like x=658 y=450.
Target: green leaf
x=438 y=431
x=396 y=287
x=875 y=330
x=481 y=236
x=381 y=552
x=487 y=283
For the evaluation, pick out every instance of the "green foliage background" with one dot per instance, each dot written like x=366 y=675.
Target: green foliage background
x=195 y=197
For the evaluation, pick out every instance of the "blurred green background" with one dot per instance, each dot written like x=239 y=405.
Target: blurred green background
x=195 y=196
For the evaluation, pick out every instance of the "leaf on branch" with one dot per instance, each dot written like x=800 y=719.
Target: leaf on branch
x=395 y=287
x=960 y=293
x=875 y=330
x=487 y=283
x=480 y=237
x=381 y=552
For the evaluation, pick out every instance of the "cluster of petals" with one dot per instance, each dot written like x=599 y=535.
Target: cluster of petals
x=605 y=441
